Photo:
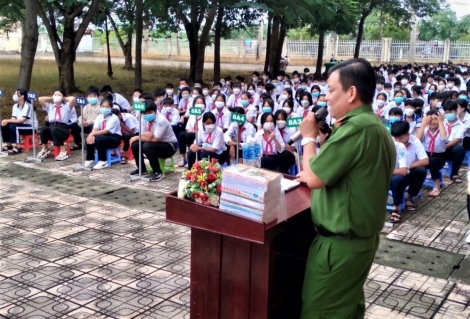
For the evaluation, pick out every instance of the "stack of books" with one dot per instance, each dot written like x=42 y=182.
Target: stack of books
x=251 y=192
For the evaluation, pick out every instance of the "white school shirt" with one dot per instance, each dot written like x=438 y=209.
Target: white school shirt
x=73 y=116
x=286 y=133
x=250 y=111
x=222 y=118
x=191 y=124
x=110 y=123
x=415 y=150
x=381 y=112
x=160 y=128
x=184 y=105
x=55 y=116
x=301 y=111
x=209 y=102
x=466 y=123
x=247 y=130
x=171 y=114
x=130 y=121
x=255 y=99
x=214 y=139
x=234 y=100
x=269 y=147
x=121 y=101
x=402 y=160
x=439 y=143
x=455 y=130
x=27 y=111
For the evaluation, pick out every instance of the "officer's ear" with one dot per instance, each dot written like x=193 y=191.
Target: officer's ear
x=352 y=94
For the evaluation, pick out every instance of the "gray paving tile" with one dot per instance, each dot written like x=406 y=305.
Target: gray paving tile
x=46 y=276
x=165 y=309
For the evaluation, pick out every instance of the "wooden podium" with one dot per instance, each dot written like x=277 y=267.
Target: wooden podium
x=242 y=269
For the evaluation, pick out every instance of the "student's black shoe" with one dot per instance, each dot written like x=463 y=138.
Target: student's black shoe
x=136 y=172
x=155 y=177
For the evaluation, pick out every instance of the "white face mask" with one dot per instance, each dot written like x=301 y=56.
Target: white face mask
x=199 y=105
x=214 y=96
x=16 y=98
x=285 y=96
x=379 y=88
x=205 y=92
x=438 y=104
x=219 y=104
x=280 y=78
x=404 y=82
x=450 y=85
x=409 y=112
x=236 y=91
x=251 y=92
x=57 y=99
x=135 y=99
x=169 y=91
x=168 y=109
x=259 y=90
x=280 y=124
x=185 y=96
x=268 y=126
x=210 y=127
x=305 y=103
x=441 y=87
x=287 y=109
x=380 y=102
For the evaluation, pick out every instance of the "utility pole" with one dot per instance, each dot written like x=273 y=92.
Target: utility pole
x=412 y=55
x=260 y=40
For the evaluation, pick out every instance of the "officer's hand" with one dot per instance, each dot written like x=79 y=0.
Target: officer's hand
x=309 y=126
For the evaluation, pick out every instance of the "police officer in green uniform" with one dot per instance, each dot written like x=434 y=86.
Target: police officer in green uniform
x=350 y=179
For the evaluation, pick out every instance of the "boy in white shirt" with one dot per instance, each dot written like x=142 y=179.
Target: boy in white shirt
x=244 y=131
x=172 y=115
x=118 y=99
x=456 y=132
x=221 y=113
x=234 y=99
x=129 y=129
x=398 y=182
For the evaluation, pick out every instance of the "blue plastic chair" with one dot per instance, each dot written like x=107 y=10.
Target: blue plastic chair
x=402 y=204
x=109 y=156
x=466 y=159
x=293 y=170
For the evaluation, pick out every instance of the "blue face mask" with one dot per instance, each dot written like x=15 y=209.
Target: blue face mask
x=275 y=85
x=462 y=97
x=321 y=104
x=450 y=117
x=93 y=100
x=149 y=117
x=105 y=111
x=393 y=119
x=244 y=103
x=303 y=87
x=430 y=92
x=316 y=94
x=267 y=109
x=398 y=100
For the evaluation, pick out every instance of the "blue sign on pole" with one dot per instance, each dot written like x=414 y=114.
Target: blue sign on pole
x=1 y=92
x=80 y=101
x=32 y=96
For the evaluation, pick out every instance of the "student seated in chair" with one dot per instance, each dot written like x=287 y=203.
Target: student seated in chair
x=129 y=128
x=417 y=160
x=244 y=131
x=59 y=110
x=456 y=132
x=434 y=136
x=209 y=143
x=172 y=115
x=270 y=141
x=106 y=135
x=91 y=111
x=21 y=122
x=158 y=141
x=398 y=181
x=287 y=157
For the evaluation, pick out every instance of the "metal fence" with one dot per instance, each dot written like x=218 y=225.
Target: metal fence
x=399 y=50
x=303 y=48
x=460 y=50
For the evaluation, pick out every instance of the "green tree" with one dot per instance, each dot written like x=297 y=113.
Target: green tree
x=442 y=26
x=382 y=24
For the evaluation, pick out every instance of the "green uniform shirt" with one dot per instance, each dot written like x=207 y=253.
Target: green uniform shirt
x=356 y=165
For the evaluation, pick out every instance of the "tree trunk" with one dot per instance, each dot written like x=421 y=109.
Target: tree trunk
x=217 y=38
x=193 y=51
x=125 y=47
x=321 y=44
x=138 y=44
x=275 y=30
x=280 y=45
x=268 y=43
x=67 y=57
x=29 y=44
x=381 y=24
x=204 y=39
x=360 y=33
x=128 y=55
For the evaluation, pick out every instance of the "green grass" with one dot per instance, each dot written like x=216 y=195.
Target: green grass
x=45 y=79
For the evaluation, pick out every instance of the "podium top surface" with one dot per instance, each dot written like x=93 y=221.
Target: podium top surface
x=209 y=218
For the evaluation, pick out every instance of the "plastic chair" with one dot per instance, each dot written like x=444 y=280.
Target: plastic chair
x=110 y=158
x=167 y=167
x=402 y=204
x=429 y=182
x=27 y=144
x=293 y=170
x=67 y=143
x=466 y=159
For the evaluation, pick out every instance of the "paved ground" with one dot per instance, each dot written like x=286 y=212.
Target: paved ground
x=70 y=250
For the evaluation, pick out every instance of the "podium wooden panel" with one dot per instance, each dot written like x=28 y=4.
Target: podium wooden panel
x=242 y=269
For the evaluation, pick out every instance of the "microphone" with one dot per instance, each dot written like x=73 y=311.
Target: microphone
x=320 y=115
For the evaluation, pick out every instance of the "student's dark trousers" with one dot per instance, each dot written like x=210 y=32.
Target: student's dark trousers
x=102 y=144
x=286 y=160
x=55 y=132
x=455 y=154
x=76 y=132
x=436 y=163
x=270 y=162
x=153 y=151
x=126 y=137
x=10 y=133
x=185 y=139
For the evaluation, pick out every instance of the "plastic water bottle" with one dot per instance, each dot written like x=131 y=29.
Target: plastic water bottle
x=251 y=152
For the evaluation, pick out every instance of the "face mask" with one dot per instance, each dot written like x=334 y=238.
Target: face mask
x=409 y=112
x=168 y=109
x=267 y=109
x=450 y=85
x=420 y=74
x=57 y=99
x=462 y=97
x=441 y=87
x=105 y=111
x=93 y=100
x=265 y=77
x=259 y=90
x=430 y=92
x=319 y=139
x=205 y=92
x=149 y=117
x=379 y=88
x=295 y=80
x=269 y=126
x=275 y=85
x=169 y=91
x=279 y=78
x=222 y=82
x=16 y=98
x=214 y=97
x=450 y=117
x=244 y=103
x=219 y=104
x=185 y=96
x=199 y=106
x=287 y=109
x=287 y=86
x=285 y=96
x=393 y=119
x=307 y=73
x=255 y=79
x=404 y=82
x=303 y=87
x=209 y=127
x=280 y=124
x=438 y=104
x=398 y=100
x=251 y=92
x=316 y=94
x=321 y=104
x=305 y=103
x=380 y=102
x=236 y=91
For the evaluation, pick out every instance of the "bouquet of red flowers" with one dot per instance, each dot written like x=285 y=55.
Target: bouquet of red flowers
x=202 y=182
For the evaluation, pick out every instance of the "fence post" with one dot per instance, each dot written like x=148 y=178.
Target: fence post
x=446 y=56
x=168 y=46
x=386 y=48
x=330 y=46
x=178 y=45
x=241 y=50
x=284 y=48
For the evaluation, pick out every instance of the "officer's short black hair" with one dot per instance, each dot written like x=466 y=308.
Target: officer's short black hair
x=358 y=73
x=400 y=128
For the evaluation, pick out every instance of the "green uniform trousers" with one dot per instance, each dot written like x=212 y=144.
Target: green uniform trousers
x=336 y=271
